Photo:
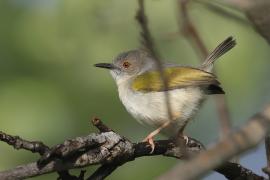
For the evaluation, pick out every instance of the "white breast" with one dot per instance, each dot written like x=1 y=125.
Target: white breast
x=151 y=108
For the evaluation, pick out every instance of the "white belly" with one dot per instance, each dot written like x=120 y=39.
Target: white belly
x=151 y=108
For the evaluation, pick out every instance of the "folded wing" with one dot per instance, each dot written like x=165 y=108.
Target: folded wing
x=176 y=78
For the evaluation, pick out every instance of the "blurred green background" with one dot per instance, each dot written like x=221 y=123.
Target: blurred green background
x=49 y=89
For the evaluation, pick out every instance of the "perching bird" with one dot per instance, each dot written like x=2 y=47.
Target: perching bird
x=142 y=91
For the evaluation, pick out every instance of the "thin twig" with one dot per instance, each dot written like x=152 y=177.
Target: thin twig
x=100 y=126
x=148 y=43
x=190 y=31
x=224 y=10
x=19 y=143
x=146 y=38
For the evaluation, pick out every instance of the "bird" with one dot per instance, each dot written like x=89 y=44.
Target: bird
x=146 y=96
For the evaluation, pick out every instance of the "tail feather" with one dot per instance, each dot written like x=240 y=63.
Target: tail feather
x=221 y=49
x=214 y=89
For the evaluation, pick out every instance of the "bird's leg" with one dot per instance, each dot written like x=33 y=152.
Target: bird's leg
x=181 y=133
x=149 y=138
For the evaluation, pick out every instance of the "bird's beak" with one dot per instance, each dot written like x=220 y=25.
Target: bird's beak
x=105 y=65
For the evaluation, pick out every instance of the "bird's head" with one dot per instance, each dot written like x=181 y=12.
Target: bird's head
x=128 y=65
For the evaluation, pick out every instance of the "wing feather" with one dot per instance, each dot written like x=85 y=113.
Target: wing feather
x=176 y=77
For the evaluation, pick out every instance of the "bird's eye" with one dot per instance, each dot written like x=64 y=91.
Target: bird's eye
x=126 y=64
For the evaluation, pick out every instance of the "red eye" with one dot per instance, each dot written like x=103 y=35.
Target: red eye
x=126 y=64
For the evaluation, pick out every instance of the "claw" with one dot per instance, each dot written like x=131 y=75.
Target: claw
x=150 y=140
x=186 y=139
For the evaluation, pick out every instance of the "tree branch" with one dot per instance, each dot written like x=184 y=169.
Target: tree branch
x=256 y=11
x=267 y=149
x=247 y=137
x=112 y=150
x=103 y=148
x=19 y=143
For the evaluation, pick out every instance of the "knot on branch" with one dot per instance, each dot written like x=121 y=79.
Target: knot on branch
x=91 y=149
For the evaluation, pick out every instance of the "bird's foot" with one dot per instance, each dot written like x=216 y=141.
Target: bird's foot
x=150 y=140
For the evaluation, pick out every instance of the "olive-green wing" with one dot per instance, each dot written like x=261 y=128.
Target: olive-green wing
x=176 y=77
